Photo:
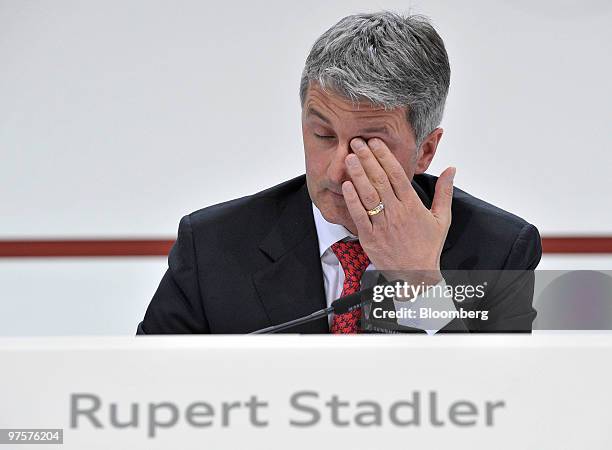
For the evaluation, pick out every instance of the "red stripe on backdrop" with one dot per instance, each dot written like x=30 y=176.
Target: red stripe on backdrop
x=83 y=248
x=161 y=247
x=567 y=244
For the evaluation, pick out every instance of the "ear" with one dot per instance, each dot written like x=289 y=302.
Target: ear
x=428 y=150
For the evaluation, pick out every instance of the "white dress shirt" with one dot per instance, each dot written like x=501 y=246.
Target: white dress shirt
x=333 y=275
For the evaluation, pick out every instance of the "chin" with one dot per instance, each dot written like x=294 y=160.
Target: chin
x=337 y=214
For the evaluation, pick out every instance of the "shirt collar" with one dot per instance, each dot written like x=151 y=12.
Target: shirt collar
x=328 y=233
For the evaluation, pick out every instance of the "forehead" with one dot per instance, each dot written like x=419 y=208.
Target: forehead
x=331 y=108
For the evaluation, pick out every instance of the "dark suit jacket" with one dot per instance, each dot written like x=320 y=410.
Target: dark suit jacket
x=252 y=262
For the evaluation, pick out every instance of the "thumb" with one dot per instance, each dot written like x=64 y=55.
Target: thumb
x=443 y=196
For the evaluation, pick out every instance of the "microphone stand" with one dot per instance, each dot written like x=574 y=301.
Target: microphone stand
x=295 y=322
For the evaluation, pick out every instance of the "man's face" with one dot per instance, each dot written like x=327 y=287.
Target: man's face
x=329 y=123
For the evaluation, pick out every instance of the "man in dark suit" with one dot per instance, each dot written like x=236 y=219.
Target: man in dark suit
x=372 y=92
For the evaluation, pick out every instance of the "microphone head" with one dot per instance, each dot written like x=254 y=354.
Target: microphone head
x=352 y=301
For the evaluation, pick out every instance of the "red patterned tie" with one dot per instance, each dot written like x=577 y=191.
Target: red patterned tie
x=354 y=262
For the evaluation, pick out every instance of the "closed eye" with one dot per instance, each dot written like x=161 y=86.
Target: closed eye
x=319 y=136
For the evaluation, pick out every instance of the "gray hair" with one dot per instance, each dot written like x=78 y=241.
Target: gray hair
x=385 y=59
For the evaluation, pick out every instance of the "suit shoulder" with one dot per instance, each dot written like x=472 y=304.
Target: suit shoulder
x=468 y=201
x=242 y=211
x=484 y=219
x=483 y=211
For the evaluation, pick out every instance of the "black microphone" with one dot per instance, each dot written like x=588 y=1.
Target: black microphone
x=351 y=302
x=339 y=306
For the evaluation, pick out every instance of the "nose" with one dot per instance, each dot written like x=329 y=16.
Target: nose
x=336 y=171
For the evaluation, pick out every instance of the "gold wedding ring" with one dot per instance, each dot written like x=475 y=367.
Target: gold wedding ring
x=377 y=210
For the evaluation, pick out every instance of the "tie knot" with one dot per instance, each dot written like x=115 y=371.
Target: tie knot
x=352 y=257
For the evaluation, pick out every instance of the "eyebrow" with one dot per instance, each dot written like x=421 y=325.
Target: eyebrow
x=380 y=129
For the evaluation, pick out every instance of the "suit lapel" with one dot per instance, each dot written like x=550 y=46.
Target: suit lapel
x=291 y=286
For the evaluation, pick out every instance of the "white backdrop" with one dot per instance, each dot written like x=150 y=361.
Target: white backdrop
x=119 y=117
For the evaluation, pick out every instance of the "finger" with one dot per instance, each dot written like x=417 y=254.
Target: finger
x=368 y=195
x=443 y=196
x=395 y=172
x=374 y=171
x=356 y=210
